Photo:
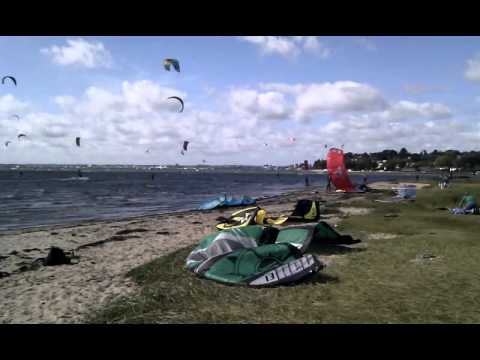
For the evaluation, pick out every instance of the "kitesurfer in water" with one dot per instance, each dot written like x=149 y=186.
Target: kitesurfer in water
x=153 y=176
x=79 y=173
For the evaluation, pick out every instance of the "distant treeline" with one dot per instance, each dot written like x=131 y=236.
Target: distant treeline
x=393 y=160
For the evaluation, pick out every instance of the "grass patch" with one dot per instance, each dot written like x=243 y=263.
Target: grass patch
x=387 y=282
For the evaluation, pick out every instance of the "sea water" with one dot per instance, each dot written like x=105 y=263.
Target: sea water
x=40 y=196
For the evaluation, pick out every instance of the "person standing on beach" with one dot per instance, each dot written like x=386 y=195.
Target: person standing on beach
x=329 y=184
x=364 y=186
x=446 y=182
x=305 y=169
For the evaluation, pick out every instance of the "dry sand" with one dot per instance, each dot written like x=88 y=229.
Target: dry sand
x=65 y=293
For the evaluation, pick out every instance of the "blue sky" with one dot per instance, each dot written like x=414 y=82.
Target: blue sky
x=366 y=92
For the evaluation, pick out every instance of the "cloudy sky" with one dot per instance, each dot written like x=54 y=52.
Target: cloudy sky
x=240 y=93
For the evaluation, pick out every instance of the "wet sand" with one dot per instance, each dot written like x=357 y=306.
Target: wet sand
x=66 y=293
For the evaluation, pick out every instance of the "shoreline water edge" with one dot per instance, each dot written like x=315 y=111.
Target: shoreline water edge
x=66 y=293
x=107 y=250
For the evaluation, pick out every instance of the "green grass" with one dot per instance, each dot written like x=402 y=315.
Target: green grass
x=381 y=283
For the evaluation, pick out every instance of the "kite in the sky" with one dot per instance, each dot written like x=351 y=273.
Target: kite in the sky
x=11 y=78
x=167 y=63
x=180 y=100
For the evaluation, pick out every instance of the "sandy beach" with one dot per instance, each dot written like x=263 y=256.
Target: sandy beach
x=107 y=250
x=65 y=293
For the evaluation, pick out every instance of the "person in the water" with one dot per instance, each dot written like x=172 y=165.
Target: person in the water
x=79 y=173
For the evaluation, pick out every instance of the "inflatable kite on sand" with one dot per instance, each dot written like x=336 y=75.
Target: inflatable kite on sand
x=338 y=172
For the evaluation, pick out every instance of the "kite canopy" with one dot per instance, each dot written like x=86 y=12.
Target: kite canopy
x=180 y=100
x=21 y=135
x=184 y=147
x=167 y=63
x=15 y=116
x=262 y=255
x=224 y=201
x=337 y=170
x=253 y=256
x=7 y=142
x=77 y=141
x=11 y=78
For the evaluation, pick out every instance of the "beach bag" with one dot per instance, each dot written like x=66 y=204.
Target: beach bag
x=306 y=210
x=56 y=256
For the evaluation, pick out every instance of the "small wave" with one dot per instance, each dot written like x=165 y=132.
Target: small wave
x=40 y=204
x=9 y=196
x=75 y=179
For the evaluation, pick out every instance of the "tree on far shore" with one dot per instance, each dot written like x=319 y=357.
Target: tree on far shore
x=392 y=160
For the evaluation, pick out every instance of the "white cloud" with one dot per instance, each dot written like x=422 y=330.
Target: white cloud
x=80 y=52
x=274 y=45
x=313 y=45
x=268 y=105
x=472 y=69
x=117 y=126
x=379 y=135
x=289 y=46
x=345 y=97
x=408 y=110
x=341 y=96
x=366 y=43
x=337 y=97
x=9 y=105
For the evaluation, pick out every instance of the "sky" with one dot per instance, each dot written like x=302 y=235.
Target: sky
x=249 y=100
